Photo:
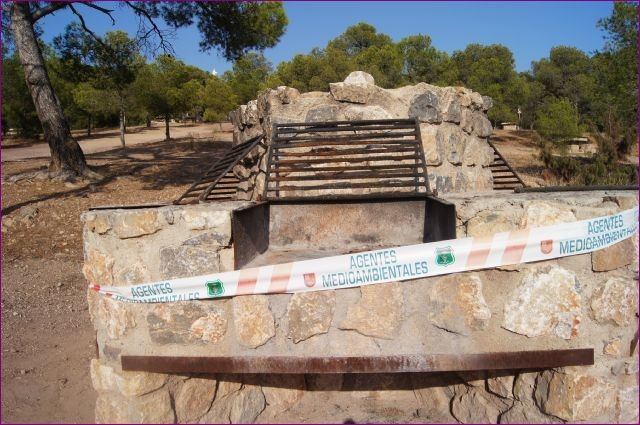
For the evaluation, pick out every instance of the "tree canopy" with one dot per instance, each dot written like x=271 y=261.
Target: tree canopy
x=567 y=92
x=233 y=28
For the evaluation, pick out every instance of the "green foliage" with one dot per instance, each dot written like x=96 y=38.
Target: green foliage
x=117 y=60
x=568 y=73
x=218 y=99
x=616 y=70
x=423 y=62
x=94 y=102
x=598 y=170
x=557 y=120
x=18 y=111
x=359 y=38
x=248 y=76
x=384 y=63
x=166 y=87
x=490 y=71
x=313 y=72
x=234 y=28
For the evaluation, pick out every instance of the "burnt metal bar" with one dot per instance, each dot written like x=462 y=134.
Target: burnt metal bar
x=424 y=162
x=575 y=188
x=536 y=359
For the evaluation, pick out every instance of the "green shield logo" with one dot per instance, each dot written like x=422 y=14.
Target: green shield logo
x=215 y=288
x=444 y=256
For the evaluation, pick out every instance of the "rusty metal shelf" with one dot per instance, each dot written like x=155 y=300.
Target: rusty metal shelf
x=537 y=359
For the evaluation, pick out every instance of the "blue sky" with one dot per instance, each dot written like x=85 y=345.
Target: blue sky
x=529 y=29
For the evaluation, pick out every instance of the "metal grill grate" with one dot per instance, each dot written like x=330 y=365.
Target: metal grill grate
x=346 y=158
x=219 y=182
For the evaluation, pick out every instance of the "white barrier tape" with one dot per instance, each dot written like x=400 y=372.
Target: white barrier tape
x=393 y=264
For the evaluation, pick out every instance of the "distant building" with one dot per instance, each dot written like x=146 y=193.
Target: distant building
x=509 y=126
x=581 y=145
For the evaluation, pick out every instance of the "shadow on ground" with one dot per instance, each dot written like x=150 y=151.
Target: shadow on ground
x=159 y=165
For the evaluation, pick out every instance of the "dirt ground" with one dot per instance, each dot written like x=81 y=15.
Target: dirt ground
x=521 y=152
x=15 y=149
x=47 y=338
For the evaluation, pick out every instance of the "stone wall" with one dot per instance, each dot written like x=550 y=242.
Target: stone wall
x=584 y=301
x=453 y=125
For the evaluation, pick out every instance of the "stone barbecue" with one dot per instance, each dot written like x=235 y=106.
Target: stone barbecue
x=157 y=362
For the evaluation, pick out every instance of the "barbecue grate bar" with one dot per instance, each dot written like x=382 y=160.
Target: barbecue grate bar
x=219 y=182
x=345 y=158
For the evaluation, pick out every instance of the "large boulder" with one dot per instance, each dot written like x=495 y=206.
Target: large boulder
x=356 y=88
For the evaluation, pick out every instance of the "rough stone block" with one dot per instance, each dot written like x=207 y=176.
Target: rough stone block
x=309 y=314
x=187 y=261
x=522 y=413
x=500 y=384
x=547 y=301
x=134 y=274
x=475 y=405
x=186 y=322
x=253 y=320
x=97 y=223
x=152 y=408
x=481 y=125
x=573 y=395
x=450 y=107
x=287 y=94
x=247 y=405
x=490 y=222
x=103 y=378
x=324 y=113
x=209 y=239
x=615 y=301
x=626 y=202
x=434 y=396
x=627 y=405
x=477 y=102
x=543 y=213
x=613 y=347
x=466 y=120
x=132 y=224
x=425 y=107
x=613 y=257
x=379 y=311
x=228 y=384
x=361 y=78
x=134 y=384
x=194 y=398
x=115 y=317
x=200 y=218
x=457 y=305
x=487 y=103
x=227 y=259
x=98 y=267
x=353 y=93
x=282 y=392
x=372 y=112
x=524 y=385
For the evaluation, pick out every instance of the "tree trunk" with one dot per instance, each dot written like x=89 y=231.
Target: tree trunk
x=66 y=155
x=166 y=125
x=89 y=126
x=122 y=129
